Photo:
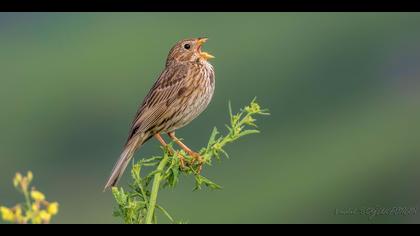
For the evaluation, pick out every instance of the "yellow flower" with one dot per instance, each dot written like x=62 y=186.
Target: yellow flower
x=45 y=216
x=40 y=210
x=253 y=108
x=37 y=196
x=37 y=219
x=53 y=208
x=30 y=176
x=17 y=180
x=18 y=214
x=7 y=214
x=249 y=121
x=28 y=216
x=35 y=206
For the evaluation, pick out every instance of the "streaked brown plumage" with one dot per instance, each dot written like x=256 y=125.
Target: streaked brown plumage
x=181 y=93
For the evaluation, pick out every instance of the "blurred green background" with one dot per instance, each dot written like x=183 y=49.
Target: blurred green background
x=342 y=88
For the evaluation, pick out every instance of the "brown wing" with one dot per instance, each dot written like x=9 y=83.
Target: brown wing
x=163 y=93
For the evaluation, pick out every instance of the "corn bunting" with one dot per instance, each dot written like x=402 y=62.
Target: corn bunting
x=180 y=94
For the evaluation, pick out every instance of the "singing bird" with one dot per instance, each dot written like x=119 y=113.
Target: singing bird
x=183 y=91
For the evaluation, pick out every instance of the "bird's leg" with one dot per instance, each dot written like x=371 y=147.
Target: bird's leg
x=190 y=152
x=171 y=152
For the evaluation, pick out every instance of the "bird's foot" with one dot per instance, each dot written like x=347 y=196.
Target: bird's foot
x=181 y=161
x=181 y=158
x=196 y=158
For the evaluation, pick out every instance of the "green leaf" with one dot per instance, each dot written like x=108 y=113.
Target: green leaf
x=153 y=173
x=230 y=110
x=173 y=177
x=155 y=158
x=250 y=131
x=225 y=153
x=165 y=213
x=212 y=139
x=151 y=164
x=119 y=196
x=201 y=180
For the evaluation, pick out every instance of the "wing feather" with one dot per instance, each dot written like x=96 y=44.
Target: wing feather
x=160 y=97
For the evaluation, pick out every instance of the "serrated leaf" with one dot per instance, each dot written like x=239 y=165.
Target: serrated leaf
x=212 y=139
x=151 y=164
x=173 y=177
x=249 y=131
x=230 y=110
x=165 y=212
x=225 y=153
x=153 y=173
x=201 y=180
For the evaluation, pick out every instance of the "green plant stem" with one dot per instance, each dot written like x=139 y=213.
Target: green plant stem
x=155 y=188
x=27 y=200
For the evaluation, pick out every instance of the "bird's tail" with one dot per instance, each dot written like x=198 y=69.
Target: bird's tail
x=132 y=145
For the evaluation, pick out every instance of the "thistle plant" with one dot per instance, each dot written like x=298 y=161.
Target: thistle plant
x=36 y=209
x=138 y=205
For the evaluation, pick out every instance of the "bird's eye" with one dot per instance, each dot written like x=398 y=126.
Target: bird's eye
x=187 y=46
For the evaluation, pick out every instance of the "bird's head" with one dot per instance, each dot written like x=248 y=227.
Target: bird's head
x=189 y=50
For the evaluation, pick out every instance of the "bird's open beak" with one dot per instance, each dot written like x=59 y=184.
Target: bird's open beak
x=204 y=55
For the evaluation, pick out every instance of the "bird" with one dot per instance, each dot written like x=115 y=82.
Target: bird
x=183 y=91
